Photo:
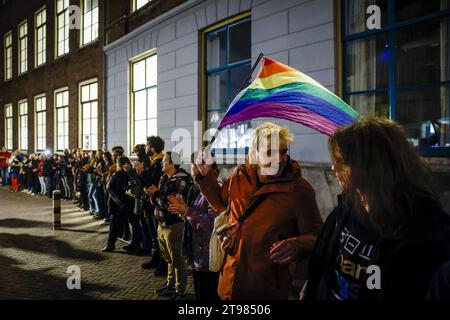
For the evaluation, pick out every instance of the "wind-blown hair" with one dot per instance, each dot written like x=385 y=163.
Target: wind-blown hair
x=382 y=169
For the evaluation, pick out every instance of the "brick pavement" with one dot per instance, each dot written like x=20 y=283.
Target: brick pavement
x=34 y=258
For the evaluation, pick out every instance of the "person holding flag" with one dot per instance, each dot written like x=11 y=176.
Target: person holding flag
x=280 y=229
x=274 y=218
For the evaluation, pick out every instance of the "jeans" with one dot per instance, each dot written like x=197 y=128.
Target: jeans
x=43 y=185
x=93 y=201
x=49 y=185
x=4 y=175
x=67 y=189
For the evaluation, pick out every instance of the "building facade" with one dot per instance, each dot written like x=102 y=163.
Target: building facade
x=171 y=67
x=51 y=75
x=186 y=65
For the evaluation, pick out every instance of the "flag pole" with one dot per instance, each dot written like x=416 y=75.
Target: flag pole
x=247 y=79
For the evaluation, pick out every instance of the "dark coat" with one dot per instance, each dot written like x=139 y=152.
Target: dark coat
x=408 y=256
x=118 y=201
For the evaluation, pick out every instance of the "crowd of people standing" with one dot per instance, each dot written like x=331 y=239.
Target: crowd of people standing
x=388 y=216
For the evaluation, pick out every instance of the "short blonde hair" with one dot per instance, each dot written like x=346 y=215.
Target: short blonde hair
x=267 y=129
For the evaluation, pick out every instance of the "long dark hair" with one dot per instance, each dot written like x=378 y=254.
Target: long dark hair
x=139 y=150
x=108 y=157
x=380 y=168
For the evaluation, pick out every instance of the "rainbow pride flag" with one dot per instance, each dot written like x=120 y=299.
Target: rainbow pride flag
x=282 y=92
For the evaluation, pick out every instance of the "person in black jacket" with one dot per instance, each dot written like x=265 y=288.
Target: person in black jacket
x=140 y=240
x=48 y=174
x=388 y=235
x=35 y=175
x=120 y=204
x=155 y=146
x=82 y=185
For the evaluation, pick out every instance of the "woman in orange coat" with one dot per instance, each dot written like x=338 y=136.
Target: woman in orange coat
x=281 y=230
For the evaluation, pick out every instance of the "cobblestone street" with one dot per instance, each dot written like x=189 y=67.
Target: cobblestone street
x=34 y=258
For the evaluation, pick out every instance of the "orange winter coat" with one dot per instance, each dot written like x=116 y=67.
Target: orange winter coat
x=289 y=212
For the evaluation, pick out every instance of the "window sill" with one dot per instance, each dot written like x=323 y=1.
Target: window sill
x=23 y=73
x=89 y=44
x=40 y=66
x=443 y=152
x=65 y=55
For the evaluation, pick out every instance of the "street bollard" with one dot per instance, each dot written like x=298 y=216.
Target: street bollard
x=56 y=209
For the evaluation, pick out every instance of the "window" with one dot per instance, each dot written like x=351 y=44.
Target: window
x=144 y=99
x=23 y=47
x=40 y=106
x=23 y=125
x=227 y=65
x=401 y=71
x=9 y=126
x=89 y=117
x=62 y=119
x=8 y=56
x=62 y=27
x=40 y=36
x=137 y=4
x=90 y=21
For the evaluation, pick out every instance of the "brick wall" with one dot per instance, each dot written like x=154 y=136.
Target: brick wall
x=79 y=65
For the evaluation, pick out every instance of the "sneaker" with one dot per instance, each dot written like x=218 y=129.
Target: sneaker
x=177 y=296
x=165 y=291
x=108 y=248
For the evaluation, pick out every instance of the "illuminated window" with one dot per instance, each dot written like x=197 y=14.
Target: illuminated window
x=40 y=103
x=8 y=56
x=89 y=115
x=90 y=21
x=137 y=4
x=227 y=65
x=9 y=126
x=62 y=27
x=144 y=106
x=23 y=48
x=40 y=36
x=62 y=119
x=23 y=125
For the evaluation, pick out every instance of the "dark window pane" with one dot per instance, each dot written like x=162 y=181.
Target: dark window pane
x=240 y=42
x=356 y=14
x=407 y=9
x=425 y=115
x=216 y=49
x=217 y=95
x=371 y=104
x=367 y=63
x=238 y=76
x=423 y=53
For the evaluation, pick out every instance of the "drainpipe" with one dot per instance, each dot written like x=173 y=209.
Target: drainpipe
x=105 y=84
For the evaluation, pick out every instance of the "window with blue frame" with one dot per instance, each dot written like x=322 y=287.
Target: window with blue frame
x=227 y=65
x=402 y=70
